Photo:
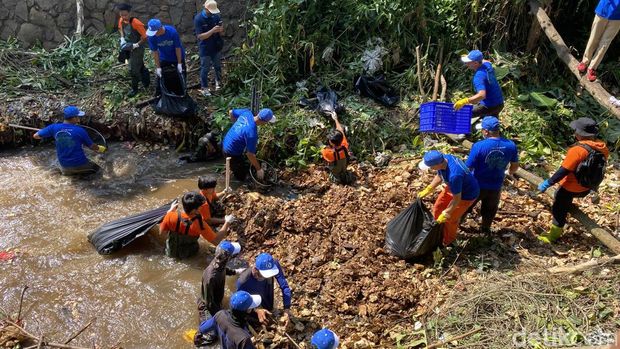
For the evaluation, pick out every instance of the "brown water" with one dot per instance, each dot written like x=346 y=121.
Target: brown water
x=141 y=298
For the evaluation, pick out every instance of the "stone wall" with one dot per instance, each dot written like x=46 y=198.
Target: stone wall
x=48 y=21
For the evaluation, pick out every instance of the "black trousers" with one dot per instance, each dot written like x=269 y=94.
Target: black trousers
x=489 y=204
x=562 y=203
x=239 y=166
x=482 y=111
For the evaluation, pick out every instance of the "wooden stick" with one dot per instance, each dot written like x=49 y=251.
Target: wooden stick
x=25 y=127
x=21 y=301
x=585 y=266
x=228 y=174
x=596 y=90
x=444 y=88
x=292 y=341
x=80 y=331
x=419 y=66
x=438 y=73
x=464 y=335
x=49 y=344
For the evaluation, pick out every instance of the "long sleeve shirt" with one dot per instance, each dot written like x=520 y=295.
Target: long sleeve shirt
x=247 y=282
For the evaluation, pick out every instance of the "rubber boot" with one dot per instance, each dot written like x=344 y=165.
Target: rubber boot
x=553 y=234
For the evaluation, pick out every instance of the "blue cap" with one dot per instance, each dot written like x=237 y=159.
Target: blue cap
x=72 y=111
x=431 y=158
x=266 y=115
x=243 y=301
x=489 y=123
x=324 y=339
x=472 y=56
x=266 y=265
x=232 y=248
x=153 y=26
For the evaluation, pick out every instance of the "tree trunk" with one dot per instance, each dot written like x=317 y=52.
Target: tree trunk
x=79 y=29
x=596 y=90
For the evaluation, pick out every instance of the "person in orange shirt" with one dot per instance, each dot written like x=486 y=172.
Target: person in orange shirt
x=133 y=37
x=185 y=227
x=337 y=155
x=212 y=207
x=572 y=183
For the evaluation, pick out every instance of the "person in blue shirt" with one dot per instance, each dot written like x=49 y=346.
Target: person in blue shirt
x=324 y=339
x=69 y=139
x=605 y=27
x=243 y=137
x=208 y=26
x=455 y=199
x=167 y=49
x=490 y=160
x=231 y=325
x=259 y=280
x=488 y=99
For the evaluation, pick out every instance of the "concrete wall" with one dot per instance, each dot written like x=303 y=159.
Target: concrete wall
x=47 y=21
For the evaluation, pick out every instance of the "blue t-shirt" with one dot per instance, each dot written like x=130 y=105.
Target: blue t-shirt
x=489 y=158
x=608 y=9
x=243 y=135
x=69 y=141
x=484 y=79
x=459 y=179
x=203 y=22
x=264 y=288
x=166 y=45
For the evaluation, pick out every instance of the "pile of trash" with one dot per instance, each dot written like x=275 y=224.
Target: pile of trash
x=330 y=240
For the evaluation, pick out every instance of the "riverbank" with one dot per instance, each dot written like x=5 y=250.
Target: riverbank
x=330 y=241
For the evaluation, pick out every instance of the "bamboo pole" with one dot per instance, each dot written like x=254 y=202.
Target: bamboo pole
x=593 y=228
x=596 y=90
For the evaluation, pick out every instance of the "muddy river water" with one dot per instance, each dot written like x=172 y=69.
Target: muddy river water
x=139 y=297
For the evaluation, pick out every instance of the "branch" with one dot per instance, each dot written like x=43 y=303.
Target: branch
x=419 y=66
x=585 y=266
x=595 y=89
x=464 y=335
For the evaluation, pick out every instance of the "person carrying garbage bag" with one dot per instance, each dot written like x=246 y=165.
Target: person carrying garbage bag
x=461 y=191
x=337 y=155
x=212 y=290
x=133 y=39
x=185 y=227
x=581 y=172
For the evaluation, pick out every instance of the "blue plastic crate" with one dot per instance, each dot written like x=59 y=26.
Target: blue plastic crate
x=441 y=117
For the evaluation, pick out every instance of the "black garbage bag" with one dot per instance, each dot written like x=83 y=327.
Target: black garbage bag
x=174 y=100
x=326 y=102
x=117 y=234
x=378 y=89
x=413 y=233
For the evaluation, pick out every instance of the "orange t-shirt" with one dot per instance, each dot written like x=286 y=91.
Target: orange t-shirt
x=574 y=156
x=205 y=209
x=135 y=24
x=169 y=223
x=329 y=153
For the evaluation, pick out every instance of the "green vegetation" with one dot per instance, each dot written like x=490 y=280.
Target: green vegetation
x=295 y=46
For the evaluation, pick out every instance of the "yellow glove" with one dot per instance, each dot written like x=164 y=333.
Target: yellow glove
x=425 y=191
x=101 y=149
x=443 y=217
x=461 y=103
